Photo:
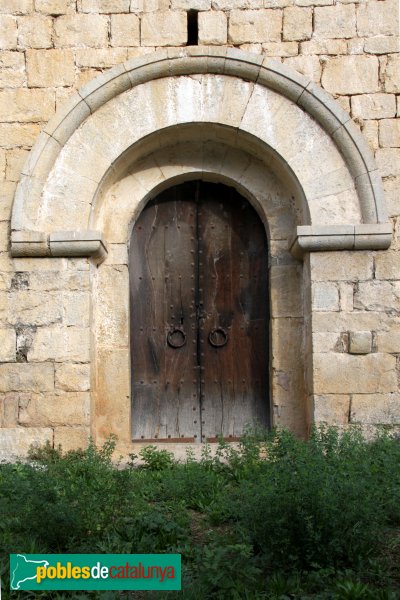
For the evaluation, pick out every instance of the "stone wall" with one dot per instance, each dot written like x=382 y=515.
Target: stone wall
x=49 y=49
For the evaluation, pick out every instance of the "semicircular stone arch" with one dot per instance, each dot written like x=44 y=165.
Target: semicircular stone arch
x=313 y=138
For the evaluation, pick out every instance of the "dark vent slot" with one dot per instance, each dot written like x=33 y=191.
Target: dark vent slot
x=193 y=28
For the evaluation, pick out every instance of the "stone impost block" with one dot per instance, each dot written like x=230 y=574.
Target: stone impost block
x=338 y=21
x=389 y=133
x=213 y=27
x=351 y=75
x=55 y=409
x=71 y=438
x=392 y=74
x=60 y=344
x=125 y=30
x=165 y=28
x=360 y=342
x=29 y=243
x=378 y=18
x=81 y=30
x=7 y=345
x=249 y=26
x=72 y=377
x=78 y=243
x=50 y=68
x=297 y=23
x=348 y=374
x=373 y=106
x=35 y=31
x=8 y=32
x=382 y=409
x=332 y=409
x=25 y=377
x=16 y=441
x=26 y=105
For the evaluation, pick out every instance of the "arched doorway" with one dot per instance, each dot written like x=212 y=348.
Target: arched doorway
x=199 y=316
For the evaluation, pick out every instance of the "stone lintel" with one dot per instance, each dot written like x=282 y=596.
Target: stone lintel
x=321 y=238
x=60 y=243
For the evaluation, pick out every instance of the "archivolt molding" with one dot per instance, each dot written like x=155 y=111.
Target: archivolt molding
x=372 y=232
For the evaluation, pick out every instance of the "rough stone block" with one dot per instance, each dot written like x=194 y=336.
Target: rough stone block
x=165 y=28
x=378 y=18
x=313 y=2
x=332 y=409
x=100 y=58
x=279 y=49
x=16 y=7
x=15 y=161
x=213 y=28
x=202 y=5
x=376 y=295
x=309 y=66
x=287 y=342
x=125 y=30
x=325 y=296
x=383 y=409
x=16 y=441
x=297 y=23
x=68 y=344
x=7 y=345
x=286 y=296
x=81 y=30
x=329 y=46
x=113 y=311
x=338 y=21
x=388 y=341
x=19 y=134
x=351 y=75
x=341 y=266
x=76 y=309
x=71 y=438
x=25 y=377
x=387 y=265
x=55 y=409
x=382 y=45
x=389 y=133
x=9 y=404
x=34 y=309
x=72 y=377
x=50 y=68
x=373 y=106
x=329 y=341
x=388 y=161
x=370 y=132
x=26 y=105
x=7 y=190
x=105 y=6
x=8 y=32
x=249 y=26
x=360 y=342
x=12 y=69
x=392 y=74
x=55 y=7
x=35 y=32
x=349 y=374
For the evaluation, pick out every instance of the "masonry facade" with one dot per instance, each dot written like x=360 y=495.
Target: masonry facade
x=296 y=105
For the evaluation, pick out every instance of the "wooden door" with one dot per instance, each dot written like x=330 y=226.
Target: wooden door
x=199 y=316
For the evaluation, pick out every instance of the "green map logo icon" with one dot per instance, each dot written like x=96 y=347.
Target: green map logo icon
x=24 y=570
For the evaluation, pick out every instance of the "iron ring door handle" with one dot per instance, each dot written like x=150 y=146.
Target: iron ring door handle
x=176 y=338
x=218 y=337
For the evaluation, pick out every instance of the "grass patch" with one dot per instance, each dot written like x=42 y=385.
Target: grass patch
x=277 y=518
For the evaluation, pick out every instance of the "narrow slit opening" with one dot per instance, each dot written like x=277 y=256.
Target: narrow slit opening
x=192 y=28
